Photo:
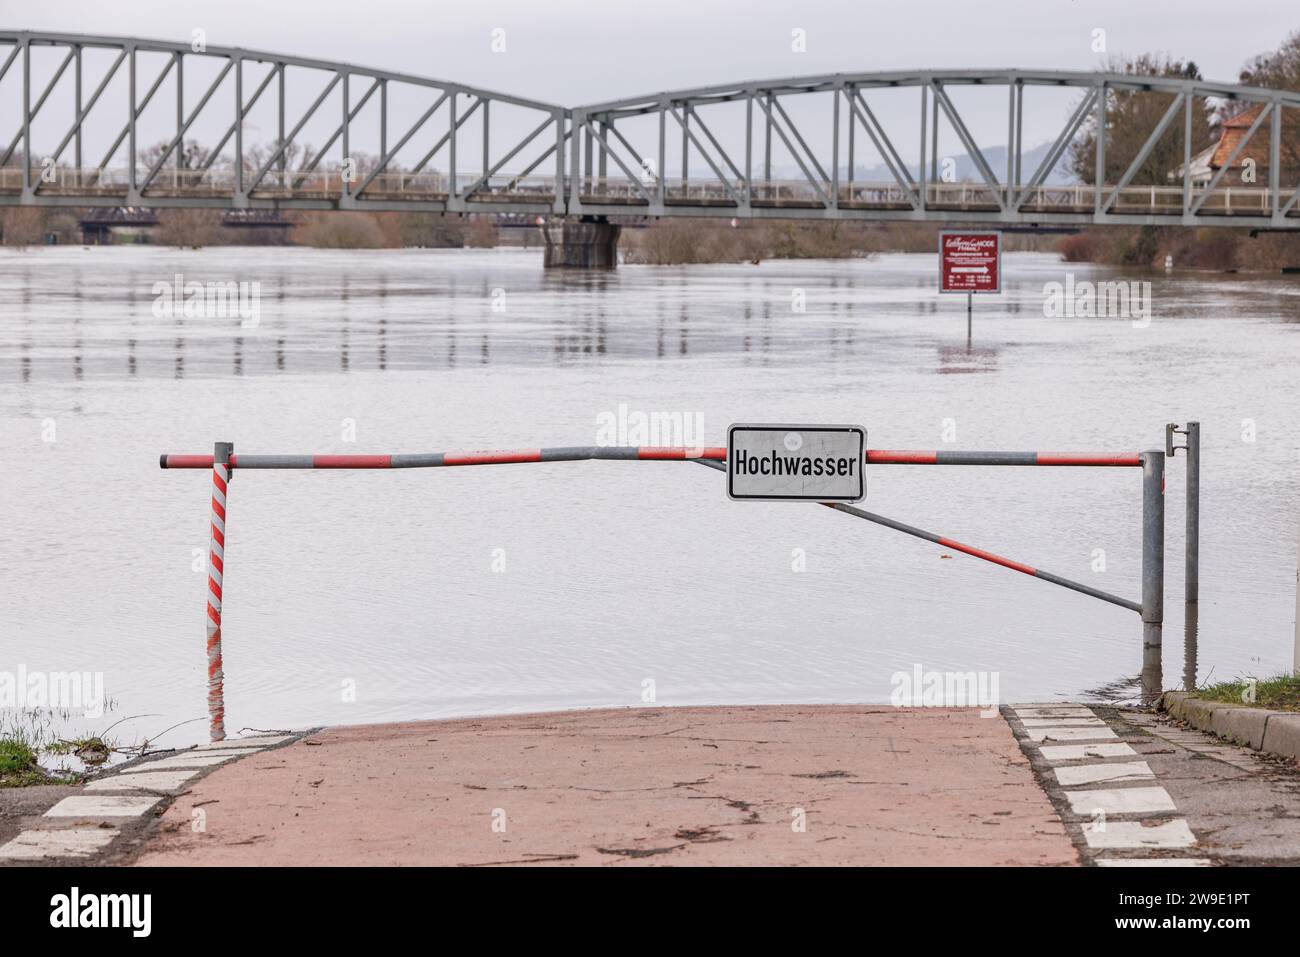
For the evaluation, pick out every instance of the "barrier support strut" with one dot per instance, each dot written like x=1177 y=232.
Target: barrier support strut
x=216 y=566
x=969 y=549
x=1153 y=547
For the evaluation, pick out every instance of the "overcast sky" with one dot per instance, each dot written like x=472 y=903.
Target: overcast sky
x=573 y=53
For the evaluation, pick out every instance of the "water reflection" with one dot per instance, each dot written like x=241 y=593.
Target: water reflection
x=428 y=313
x=963 y=360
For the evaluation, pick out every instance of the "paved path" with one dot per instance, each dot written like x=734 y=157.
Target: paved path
x=1052 y=784
x=870 y=785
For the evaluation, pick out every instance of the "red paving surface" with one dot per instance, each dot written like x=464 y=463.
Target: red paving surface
x=687 y=786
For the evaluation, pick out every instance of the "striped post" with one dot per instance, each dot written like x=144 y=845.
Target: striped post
x=216 y=565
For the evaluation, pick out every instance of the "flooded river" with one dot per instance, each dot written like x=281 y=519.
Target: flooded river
x=365 y=596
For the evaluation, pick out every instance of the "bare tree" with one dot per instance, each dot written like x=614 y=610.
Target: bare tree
x=1131 y=115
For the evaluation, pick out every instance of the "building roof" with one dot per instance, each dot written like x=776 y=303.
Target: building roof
x=1234 y=130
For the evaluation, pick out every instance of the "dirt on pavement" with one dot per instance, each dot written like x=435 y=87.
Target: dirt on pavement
x=693 y=786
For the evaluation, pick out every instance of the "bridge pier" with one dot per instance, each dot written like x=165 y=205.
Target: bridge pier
x=588 y=243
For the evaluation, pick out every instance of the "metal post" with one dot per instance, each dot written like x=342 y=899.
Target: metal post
x=661 y=190
x=970 y=306
x=1295 y=660
x=280 y=143
x=767 y=147
x=451 y=148
x=180 y=111
x=749 y=151
x=835 y=153
x=586 y=159
x=1099 y=173
x=1153 y=570
x=130 y=118
x=1153 y=545
x=1192 y=575
x=923 y=180
x=603 y=170
x=78 y=118
x=345 y=186
x=934 y=138
x=853 y=140
x=216 y=565
x=686 y=146
x=239 y=128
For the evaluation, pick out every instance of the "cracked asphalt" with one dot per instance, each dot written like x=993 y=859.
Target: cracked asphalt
x=779 y=785
x=692 y=786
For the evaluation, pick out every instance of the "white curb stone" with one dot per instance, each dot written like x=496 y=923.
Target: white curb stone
x=151 y=781
x=1070 y=734
x=1125 y=801
x=1063 y=722
x=101 y=806
x=1153 y=862
x=244 y=743
x=1094 y=773
x=64 y=842
x=1054 y=713
x=1128 y=834
x=181 y=761
x=1076 y=752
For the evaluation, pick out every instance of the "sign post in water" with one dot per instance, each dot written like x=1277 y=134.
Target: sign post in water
x=970 y=262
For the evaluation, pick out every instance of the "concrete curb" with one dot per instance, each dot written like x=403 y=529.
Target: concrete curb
x=1275 y=732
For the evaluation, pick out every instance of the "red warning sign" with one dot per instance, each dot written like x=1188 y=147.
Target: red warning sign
x=970 y=262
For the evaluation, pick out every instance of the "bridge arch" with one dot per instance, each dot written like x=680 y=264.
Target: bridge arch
x=473 y=150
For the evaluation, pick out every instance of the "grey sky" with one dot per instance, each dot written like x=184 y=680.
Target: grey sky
x=575 y=52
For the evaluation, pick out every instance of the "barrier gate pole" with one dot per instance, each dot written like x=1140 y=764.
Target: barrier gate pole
x=216 y=565
x=1152 y=463
x=1153 y=567
x=1192 y=581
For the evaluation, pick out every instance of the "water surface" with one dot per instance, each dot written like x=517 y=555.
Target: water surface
x=369 y=596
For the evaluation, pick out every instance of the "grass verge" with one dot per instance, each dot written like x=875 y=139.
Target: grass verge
x=18 y=765
x=1281 y=693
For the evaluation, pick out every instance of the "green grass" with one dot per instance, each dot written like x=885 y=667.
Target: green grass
x=92 y=750
x=18 y=767
x=1281 y=693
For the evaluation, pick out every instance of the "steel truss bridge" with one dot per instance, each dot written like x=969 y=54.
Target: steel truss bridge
x=184 y=115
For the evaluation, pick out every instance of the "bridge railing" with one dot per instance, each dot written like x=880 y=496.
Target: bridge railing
x=432 y=185
x=1076 y=198
x=61 y=179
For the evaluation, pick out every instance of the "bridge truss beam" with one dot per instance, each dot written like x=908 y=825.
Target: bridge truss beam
x=459 y=149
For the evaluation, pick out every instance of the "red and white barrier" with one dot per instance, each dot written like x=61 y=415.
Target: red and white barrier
x=223 y=461
x=216 y=566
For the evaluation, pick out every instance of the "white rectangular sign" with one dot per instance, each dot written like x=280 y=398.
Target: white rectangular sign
x=775 y=463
